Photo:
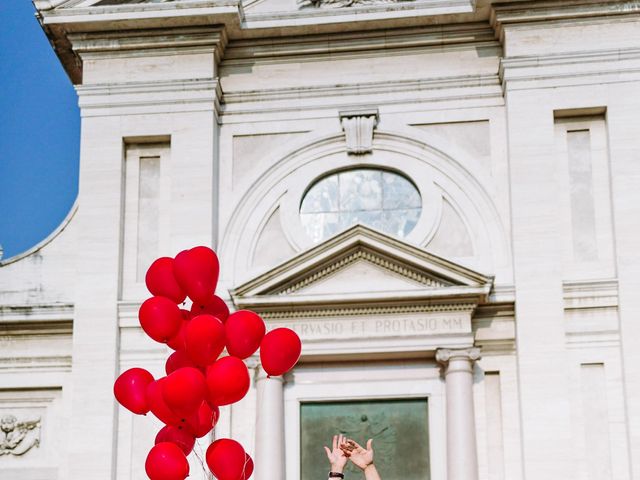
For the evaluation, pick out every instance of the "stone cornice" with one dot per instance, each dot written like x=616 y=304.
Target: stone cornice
x=153 y=97
x=509 y=14
x=590 y=294
x=243 y=51
x=48 y=319
x=140 y=43
x=588 y=67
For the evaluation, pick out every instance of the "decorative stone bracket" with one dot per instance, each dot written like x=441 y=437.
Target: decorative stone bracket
x=358 y=126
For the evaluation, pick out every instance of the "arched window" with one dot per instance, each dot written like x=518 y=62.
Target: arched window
x=382 y=199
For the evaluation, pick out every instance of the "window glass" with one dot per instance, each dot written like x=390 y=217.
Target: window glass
x=380 y=199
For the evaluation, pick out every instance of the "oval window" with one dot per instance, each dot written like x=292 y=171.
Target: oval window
x=380 y=199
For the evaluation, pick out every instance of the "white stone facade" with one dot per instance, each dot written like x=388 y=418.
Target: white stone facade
x=206 y=122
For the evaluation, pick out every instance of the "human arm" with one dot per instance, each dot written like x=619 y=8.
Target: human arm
x=336 y=455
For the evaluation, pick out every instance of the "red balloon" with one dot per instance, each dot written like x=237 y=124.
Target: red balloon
x=226 y=459
x=213 y=306
x=177 y=341
x=248 y=467
x=179 y=436
x=161 y=281
x=166 y=462
x=203 y=421
x=176 y=360
x=244 y=331
x=184 y=390
x=280 y=351
x=130 y=389
x=158 y=406
x=227 y=380
x=160 y=318
x=204 y=338
x=197 y=272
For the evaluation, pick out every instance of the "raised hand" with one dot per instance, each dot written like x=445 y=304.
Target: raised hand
x=336 y=455
x=361 y=457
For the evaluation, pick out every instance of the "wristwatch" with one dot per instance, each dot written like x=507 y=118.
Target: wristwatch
x=336 y=475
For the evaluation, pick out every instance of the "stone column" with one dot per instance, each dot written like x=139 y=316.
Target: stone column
x=269 y=448
x=462 y=456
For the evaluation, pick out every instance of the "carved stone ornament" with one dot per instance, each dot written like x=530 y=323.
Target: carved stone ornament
x=344 y=3
x=457 y=359
x=358 y=126
x=130 y=2
x=18 y=437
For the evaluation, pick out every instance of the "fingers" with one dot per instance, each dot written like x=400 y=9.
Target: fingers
x=354 y=444
x=326 y=449
x=346 y=447
x=335 y=442
x=370 y=444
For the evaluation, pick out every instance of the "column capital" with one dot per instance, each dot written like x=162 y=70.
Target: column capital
x=258 y=372
x=262 y=375
x=447 y=356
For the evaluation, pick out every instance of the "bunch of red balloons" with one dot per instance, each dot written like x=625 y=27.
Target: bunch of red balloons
x=199 y=380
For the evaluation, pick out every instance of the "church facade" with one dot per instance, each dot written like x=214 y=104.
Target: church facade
x=440 y=197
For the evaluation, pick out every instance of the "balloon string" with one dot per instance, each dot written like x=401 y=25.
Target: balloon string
x=260 y=392
x=198 y=456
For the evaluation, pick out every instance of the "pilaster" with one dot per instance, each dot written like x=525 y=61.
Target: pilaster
x=157 y=88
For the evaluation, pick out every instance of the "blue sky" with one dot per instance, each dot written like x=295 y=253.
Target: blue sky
x=39 y=132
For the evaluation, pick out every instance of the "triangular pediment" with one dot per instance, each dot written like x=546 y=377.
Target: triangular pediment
x=359 y=263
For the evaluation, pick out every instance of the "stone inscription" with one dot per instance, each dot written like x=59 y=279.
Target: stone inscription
x=376 y=327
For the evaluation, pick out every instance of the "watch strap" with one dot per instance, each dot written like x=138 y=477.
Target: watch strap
x=336 y=475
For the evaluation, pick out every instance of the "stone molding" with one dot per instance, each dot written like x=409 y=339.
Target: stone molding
x=482 y=88
x=241 y=51
x=36 y=319
x=521 y=13
x=140 y=43
x=585 y=295
x=361 y=311
x=588 y=67
x=360 y=238
x=368 y=256
x=183 y=95
x=39 y=336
